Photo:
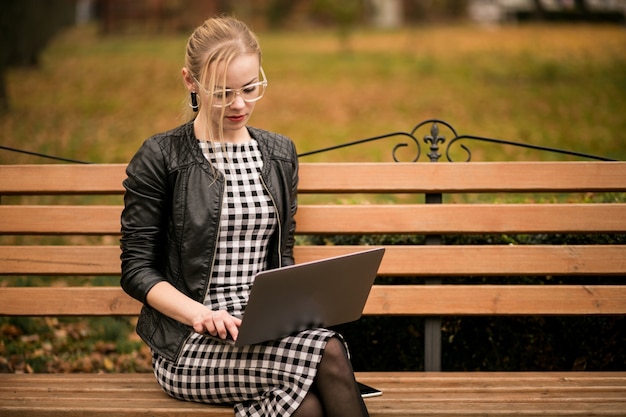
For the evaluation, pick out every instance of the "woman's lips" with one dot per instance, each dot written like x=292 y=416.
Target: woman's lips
x=238 y=118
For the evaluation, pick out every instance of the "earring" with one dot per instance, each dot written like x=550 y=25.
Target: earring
x=194 y=101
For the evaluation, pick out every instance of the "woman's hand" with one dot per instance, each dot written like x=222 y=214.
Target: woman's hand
x=171 y=302
x=217 y=323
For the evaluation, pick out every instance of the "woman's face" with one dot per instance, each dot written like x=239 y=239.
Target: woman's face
x=241 y=73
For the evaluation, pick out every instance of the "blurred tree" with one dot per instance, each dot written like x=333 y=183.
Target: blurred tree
x=343 y=14
x=26 y=26
x=435 y=10
x=277 y=11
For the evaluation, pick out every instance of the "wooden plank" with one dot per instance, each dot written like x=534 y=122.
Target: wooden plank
x=476 y=395
x=497 y=380
x=423 y=381
x=62 y=179
x=462 y=218
x=377 y=407
x=355 y=177
x=462 y=177
x=337 y=219
x=60 y=220
x=404 y=394
x=496 y=300
x=425 y=300
x=67 y=301
x=487 y=260
x=97 y=407
x=159 y=399
x=419 y=260
x=60 y=260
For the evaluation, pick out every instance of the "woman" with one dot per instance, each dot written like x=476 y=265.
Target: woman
x=207 y=206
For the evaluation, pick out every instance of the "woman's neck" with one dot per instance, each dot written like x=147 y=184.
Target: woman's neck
x=229 y=136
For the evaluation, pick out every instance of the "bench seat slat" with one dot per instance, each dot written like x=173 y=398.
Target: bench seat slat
x=383 y=300
x=339 y=177
x=153 y=397
x=422 y=381
x=404 y=393
x=416 y=260
x=377 y=407
x=97 y=406
x=314 y=219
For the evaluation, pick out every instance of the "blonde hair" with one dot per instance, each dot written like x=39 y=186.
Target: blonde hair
x=217 y=41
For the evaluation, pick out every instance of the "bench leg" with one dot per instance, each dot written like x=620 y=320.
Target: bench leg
x=432 y=344
x=432 y=325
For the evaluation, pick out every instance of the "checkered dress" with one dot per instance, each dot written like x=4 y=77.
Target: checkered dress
x=268 y=379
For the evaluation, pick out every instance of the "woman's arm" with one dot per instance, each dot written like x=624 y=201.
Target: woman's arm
x=144 y=221
x=171 y=302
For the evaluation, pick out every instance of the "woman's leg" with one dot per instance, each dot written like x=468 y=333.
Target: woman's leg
x=335 y=383
x=310 y=406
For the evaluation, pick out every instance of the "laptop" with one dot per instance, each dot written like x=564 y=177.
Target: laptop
x=321 y=293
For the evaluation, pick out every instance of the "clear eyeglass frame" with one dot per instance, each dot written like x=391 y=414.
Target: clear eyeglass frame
x=249 y=93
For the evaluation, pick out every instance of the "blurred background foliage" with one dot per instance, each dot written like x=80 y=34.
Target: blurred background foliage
x=90 y=80
x=339 y=71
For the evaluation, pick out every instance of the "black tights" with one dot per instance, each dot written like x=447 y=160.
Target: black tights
x=334 y=391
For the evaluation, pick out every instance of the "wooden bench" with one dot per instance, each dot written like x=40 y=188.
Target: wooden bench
x=64 y=200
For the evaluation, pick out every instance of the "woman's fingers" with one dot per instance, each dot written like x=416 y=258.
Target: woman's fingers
x=233 y=327
x=220 y=318
x=218 y=323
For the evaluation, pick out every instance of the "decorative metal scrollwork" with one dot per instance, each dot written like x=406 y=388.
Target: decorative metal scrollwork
x=519 y=145
x=394 y=151
x=435 y=140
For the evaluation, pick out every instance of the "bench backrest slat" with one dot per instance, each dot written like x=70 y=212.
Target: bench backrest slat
x=356 y=177
x=338 y=219
x=462 y=218
x=475 y=177
x=62 y=179
x=418 y=260
x=383 y=300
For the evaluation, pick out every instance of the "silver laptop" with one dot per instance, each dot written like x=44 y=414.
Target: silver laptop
x=322 y=293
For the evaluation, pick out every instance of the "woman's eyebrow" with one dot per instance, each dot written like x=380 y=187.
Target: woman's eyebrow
x=255 y=79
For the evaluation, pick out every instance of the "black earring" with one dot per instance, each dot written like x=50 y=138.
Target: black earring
x=194 y=101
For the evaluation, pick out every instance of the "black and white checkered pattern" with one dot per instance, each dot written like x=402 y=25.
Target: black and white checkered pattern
x=270 y=379
x=248 y=220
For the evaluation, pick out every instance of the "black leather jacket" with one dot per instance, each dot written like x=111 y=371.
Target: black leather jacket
x=171 y=218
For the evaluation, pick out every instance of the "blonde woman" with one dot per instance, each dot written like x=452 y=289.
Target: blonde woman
x=207 y=206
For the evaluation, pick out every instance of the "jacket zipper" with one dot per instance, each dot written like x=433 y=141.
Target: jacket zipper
x=217 y=238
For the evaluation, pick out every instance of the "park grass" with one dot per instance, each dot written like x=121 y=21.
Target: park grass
x=97 y=98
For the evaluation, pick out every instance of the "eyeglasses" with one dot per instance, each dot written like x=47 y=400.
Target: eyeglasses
x=250 y=93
